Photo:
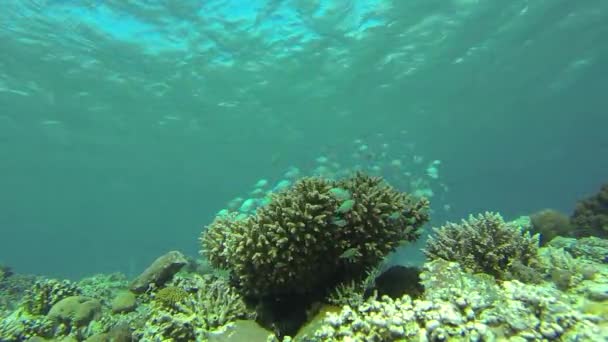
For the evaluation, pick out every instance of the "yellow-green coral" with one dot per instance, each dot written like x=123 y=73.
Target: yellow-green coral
x=170 y=296
x=295 y=243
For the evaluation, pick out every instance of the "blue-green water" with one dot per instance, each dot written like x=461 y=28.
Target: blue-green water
x=126 y=125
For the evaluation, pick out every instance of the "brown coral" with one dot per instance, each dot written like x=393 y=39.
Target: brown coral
x=308 y=235
x=550 y=223
x=590 y=216
x=484 y=243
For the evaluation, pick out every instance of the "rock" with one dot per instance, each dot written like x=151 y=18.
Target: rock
x=241 y=330
x=102 y=337
x=119 y=333
x=161 y=271
x=77 y=310
x=124 y=302
x=590 y=248
x=597 y=292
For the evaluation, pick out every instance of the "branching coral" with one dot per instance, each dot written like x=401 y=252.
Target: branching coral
x=590 y=216
x=311 y=233
x=39 y=299
x=189 y=308
x=484 y=243
x=353 y=292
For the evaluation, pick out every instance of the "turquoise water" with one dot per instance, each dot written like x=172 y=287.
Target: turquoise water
x=125 y=126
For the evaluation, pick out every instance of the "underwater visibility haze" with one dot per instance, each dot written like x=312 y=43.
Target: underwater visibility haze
x=129 y=129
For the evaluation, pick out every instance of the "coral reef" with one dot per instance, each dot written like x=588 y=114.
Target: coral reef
x=52 y=308
x=485 y=244
x=590 y=217
x=309 y=235
x=188 y=307
x=324 y=242
x=568 y=303
x=549 y=223
x=459 y=306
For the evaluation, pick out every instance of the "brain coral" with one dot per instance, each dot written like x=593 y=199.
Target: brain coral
x=300 y=240
x=484 y=244
x=590 y=216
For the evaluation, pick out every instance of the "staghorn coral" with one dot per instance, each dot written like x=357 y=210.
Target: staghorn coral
x=353 y=292
x=484 y=243
x=312 y=233
x=191 y=308
x=590 y=216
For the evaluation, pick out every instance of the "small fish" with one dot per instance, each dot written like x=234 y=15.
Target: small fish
x=281 y=185
x=340 y=222
x=322 y=160
x=395 y=215
x=241 y=217
x=248 y=206
x=257 y=192
x=235 y=203
x=292 y=172
x=351 y=254
x=340 y=194
x=222 y=213
x=346 y=206
x=261 y=183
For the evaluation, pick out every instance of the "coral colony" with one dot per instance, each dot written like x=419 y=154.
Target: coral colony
x=309 y=265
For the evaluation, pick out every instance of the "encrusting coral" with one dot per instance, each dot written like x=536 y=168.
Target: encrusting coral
x=309 y=235
x=590 y=216
x=484 y=244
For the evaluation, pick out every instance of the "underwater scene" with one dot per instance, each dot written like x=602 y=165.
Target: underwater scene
x=303 y=170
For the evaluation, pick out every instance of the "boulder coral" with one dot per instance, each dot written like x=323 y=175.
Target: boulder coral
x=309 y=235
x=590 y=216
x=550 y=223
x=484 y=244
